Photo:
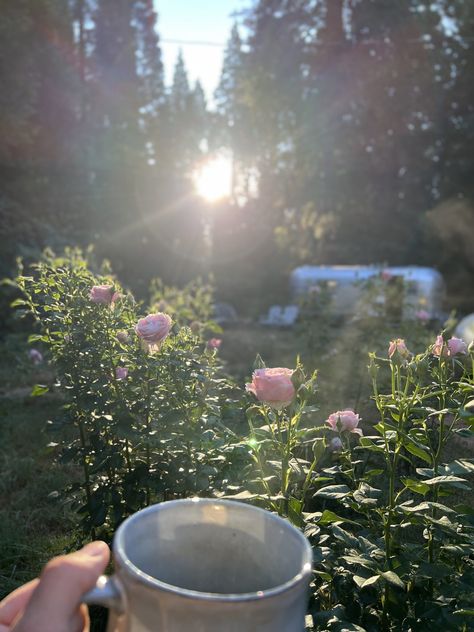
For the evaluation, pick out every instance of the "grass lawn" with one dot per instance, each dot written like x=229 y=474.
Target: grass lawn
x=33 y=526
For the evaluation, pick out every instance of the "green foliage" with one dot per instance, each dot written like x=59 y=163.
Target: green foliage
x=190 y=305
x=154 y=435
x=386 y=512
x=392 y=543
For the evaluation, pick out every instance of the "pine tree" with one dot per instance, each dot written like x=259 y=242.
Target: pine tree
x=184 y=134
x=38 y=110
x=150 y=73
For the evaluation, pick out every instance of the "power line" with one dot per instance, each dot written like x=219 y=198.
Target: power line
x=367 y=42
x=192 y=43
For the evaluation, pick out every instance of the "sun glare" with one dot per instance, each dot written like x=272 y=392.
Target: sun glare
x=213 y=180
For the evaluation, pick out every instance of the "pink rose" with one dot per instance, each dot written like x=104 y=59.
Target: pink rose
x=344 y=421
x=272 y=386
x=154 y=328
x=214 y=343
x=121 y=372
x=386 y=275
x=422 y=315
x=456 y=345
x=439 y=348
x=398 y=347
x=35 y=356
x=102 y=294
x=123 y=337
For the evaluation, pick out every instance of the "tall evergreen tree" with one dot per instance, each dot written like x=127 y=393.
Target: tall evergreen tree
x=150 y=72
x=183 y=134
x=38 y=119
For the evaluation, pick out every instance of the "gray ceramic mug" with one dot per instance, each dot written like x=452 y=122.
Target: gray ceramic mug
x=203 y=565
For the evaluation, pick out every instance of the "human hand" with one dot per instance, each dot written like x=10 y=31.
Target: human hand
x=52 y=602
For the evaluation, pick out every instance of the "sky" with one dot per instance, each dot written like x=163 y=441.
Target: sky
x=196 y=21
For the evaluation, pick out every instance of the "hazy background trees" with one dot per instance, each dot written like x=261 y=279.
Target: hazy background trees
x=350 y=126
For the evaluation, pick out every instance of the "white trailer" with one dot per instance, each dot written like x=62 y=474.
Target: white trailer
x=424 y=288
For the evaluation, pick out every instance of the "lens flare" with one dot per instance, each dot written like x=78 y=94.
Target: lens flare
x=213 y=180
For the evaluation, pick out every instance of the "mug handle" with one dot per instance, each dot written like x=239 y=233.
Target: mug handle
x=108 y=593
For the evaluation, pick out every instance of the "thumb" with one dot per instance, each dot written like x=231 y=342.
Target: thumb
x=54 y=605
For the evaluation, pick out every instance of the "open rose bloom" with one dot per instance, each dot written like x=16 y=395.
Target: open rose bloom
x=103 y=294
x=344 y=421
x=273 y=387
x=454 y=346
x=153 y=329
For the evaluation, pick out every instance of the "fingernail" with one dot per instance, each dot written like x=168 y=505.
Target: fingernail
x=95 y=549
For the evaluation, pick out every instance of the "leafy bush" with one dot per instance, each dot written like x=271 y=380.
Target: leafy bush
x=392 y=538
x=149 y=416
x=148 y=424
x=192 y=304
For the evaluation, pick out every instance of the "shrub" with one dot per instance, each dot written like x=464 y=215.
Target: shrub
x=392 y=538
x=154 y=418
x=148 y=417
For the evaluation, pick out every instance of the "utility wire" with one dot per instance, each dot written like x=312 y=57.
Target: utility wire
x=371 y=42
x=192 y=43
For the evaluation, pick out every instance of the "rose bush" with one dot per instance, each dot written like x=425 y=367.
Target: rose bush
x=149 y=426
x=384 y=506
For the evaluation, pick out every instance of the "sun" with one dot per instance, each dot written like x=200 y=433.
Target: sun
x=213 y=180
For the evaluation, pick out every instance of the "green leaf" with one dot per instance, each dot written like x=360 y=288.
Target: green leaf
x=36 y=338
x=418 y=487
x=245 y=495
x=453 y=481
x=346 y=537
x=417 y=451
x=294 y=512
x=434 y=571
x=460 y=466
x=19 y=302
x=332 y=491
x=465 y=612
x=394 y=579
x=328 y=517
x=371 y=581
x=368 y=444
x=367 y=495
x=38 y=390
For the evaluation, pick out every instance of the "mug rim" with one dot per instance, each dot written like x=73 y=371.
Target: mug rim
x=152 y=582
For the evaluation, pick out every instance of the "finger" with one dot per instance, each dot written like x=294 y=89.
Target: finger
x=15 y=603
x=54 y=605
